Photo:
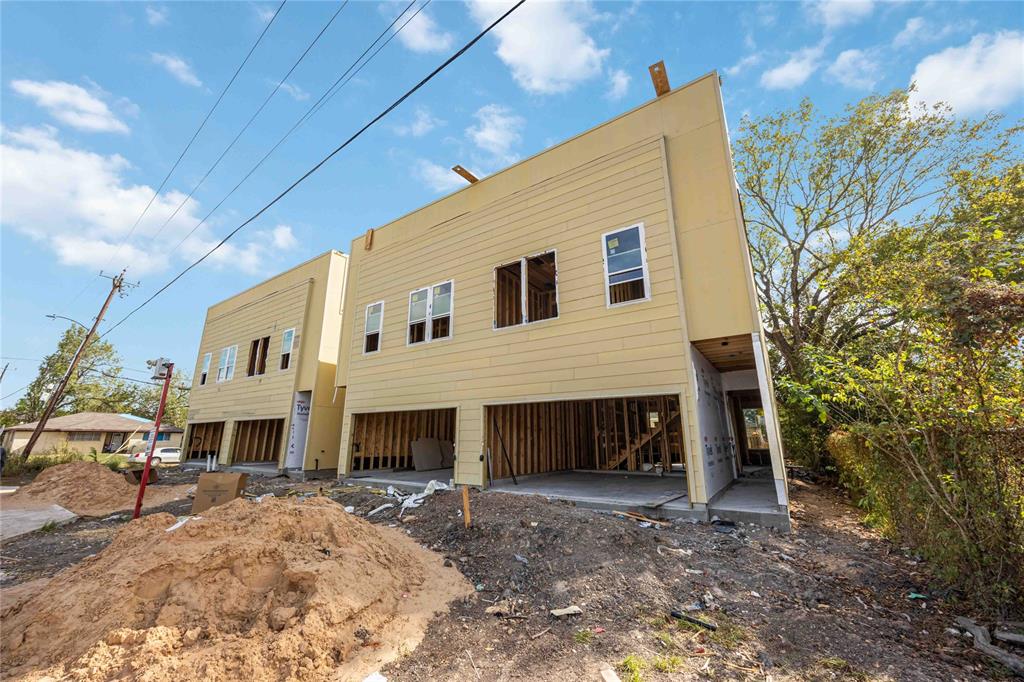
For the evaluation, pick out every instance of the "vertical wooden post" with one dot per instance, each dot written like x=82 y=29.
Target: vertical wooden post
x=465 y=506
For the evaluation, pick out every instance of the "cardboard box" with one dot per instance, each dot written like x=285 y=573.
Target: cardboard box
x=217 y=488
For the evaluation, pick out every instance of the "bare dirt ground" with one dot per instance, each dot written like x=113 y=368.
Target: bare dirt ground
x=829 y=601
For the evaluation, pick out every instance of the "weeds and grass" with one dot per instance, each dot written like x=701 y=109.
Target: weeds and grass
x=59 y=454
x=665 y=637
x=729 y=634
x=48 y=527
x=583 y=637
x=843 y=667
x=667 y=664
x=632 y=668
x=18 y=466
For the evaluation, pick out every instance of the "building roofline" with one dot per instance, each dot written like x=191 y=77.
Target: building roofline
x=670 y=93
x=280 y=274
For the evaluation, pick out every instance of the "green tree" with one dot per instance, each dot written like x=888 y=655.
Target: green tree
x=826 y=200
x=143 y=400
x=931 y=412
x=93 y=387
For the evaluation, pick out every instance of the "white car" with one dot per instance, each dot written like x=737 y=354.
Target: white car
x=160 y=456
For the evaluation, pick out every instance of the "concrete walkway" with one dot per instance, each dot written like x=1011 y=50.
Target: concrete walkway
x=16 y=521
x=414 y=481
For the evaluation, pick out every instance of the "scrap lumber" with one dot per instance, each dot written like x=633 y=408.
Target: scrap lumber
x=983 y=643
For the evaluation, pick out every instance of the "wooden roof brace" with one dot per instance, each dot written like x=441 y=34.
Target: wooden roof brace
x=465 y=174
x=659 y=77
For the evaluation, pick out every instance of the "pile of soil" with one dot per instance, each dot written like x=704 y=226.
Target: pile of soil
x=281 y=589
x=88 y=489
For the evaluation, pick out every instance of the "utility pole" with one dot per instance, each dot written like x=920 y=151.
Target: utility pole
x=117 y=283
x=163 y=368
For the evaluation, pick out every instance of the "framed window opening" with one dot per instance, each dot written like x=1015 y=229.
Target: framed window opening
x=626 y=278
x=258 y=357
x=516 y=304
x=204 y=373
x=287 y=344
x=373 y=327
x=431 y=311
x=226 y=365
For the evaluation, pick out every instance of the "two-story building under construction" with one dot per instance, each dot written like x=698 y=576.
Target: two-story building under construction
x=588 y=310
x=263 y=390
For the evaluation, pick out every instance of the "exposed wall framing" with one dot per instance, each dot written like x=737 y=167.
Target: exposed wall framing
x=204 y=439
x=629 y=434
x=257 y=440
x=383 y=440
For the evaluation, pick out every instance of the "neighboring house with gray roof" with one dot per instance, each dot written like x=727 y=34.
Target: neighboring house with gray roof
x=86 y=431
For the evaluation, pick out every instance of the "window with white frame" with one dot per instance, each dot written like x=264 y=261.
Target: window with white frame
x=226 y=365
x=287 y=342
x=374 y=324
x=526 y=291
x=205 y=371
x=430 y=313
x=625 y=266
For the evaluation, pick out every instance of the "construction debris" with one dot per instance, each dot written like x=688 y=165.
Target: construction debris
x=246 y=592
x=567 y=611
x=983 y=643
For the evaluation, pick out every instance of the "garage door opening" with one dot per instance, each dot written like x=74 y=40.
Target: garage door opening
x=642 y=435
x=257 y=440
x=412 y=440
x=204 y=440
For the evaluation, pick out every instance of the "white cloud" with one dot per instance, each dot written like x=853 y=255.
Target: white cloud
x=284 y=238
x=618 y=84
x=422 y=33
x=835 y=13
x=437 y=177
x=177 y=67
x=795 y=71
x=918 y=31
x=985 y=74
x=296 y=93
x=422 y=123
x=264 y=13
x=495 y=135
x=80 y=205
x=496 y=132
x=856 y=69
x=545 y=44
x=156 y=16
x=71 y=104
x=750 y=61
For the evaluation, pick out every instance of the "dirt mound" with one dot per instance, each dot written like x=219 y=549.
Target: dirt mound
x=275 y=590
x=88 y=489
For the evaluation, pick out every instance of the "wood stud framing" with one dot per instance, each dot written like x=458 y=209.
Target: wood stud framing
x=383 y=440
x=204 y=439
x=610 y=433
x=257 y=440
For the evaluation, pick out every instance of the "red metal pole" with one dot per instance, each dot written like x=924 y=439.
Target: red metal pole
x=152 y=442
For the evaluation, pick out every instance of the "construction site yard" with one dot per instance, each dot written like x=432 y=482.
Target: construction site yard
x=302 y=587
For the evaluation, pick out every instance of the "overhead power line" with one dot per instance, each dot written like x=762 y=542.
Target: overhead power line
x=327 y=158
x=354 y=68
x=252 y=118
x=188 y=146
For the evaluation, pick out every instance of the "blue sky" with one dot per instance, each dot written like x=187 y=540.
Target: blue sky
x=97 y=100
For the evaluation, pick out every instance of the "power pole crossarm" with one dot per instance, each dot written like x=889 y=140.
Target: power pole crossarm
x=58 y=391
